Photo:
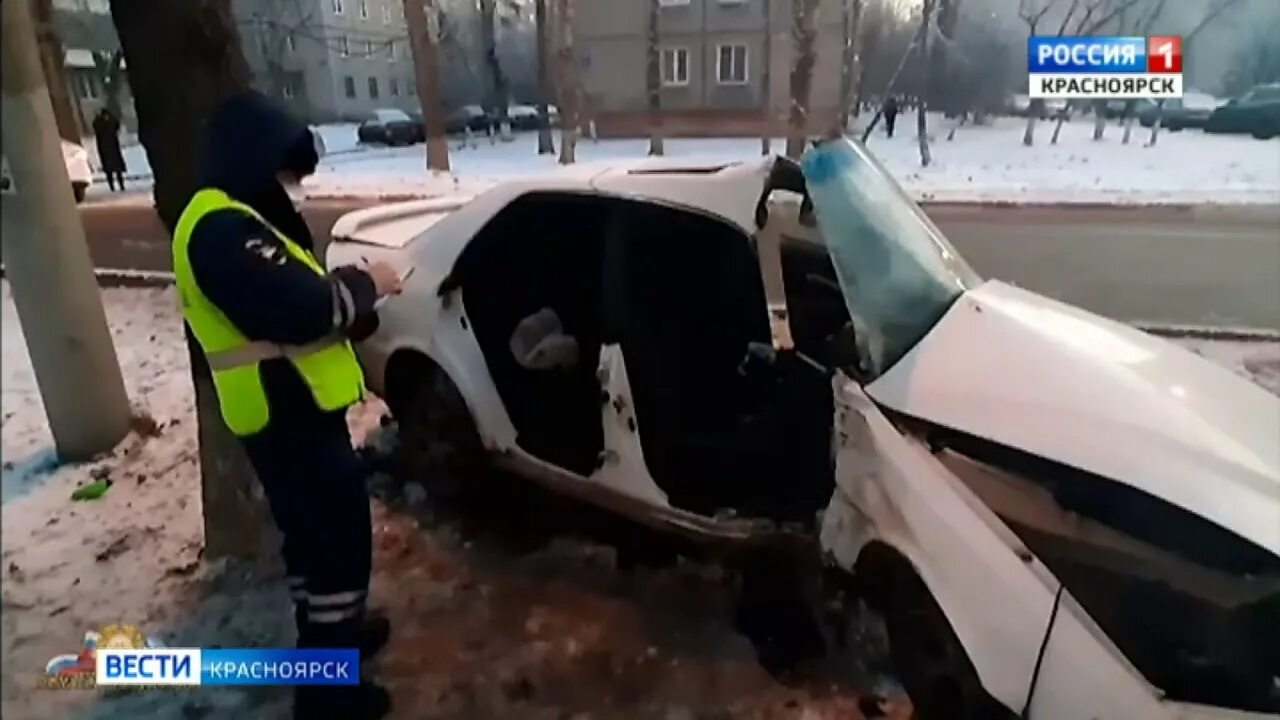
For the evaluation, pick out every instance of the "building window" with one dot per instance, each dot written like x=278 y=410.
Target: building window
x=675 y=66
x=733 y=2
x=395 y=87
x=373 y=88
x=364 y=9
x=291 y=42
x=411 y=87
x=339 y=7
x=349 y=84
x=670 y=3
x=386 y=12
x=344 y=48
x=391 y=50
x=99 y=7
x=368 y=48
x=731 y=64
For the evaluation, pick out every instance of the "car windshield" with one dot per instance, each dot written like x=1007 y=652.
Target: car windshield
x=899 y=275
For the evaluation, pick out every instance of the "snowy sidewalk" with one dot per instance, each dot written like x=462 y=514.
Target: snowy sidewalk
x=481 y=631
x=982 y=164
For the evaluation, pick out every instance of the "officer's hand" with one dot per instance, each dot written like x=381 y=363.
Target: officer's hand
x=386 y=280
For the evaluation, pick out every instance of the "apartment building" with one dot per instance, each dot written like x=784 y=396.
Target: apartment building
x=712 y=62
x=329 y=60
x=85 y=29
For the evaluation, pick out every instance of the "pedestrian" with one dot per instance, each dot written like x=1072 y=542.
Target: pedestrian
x=890 y=114
x=276 y=332
x=106 y=131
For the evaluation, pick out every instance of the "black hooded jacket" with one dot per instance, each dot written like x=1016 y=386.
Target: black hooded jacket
x=244 y=269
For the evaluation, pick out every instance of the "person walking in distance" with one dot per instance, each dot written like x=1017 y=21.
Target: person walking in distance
x=106 y=132
x=275 y=331
x=891 y=110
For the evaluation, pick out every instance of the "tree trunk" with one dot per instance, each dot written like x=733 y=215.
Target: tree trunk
x=426 y=74
x=546 y=145
x=1155 y=126
x=804 y=22
x=500 y=95
x=1099 y=118
x=568 y=73
x=849 y=22
x=1057 y=128
x=1034 y=110
x=1128 y=123
x=653 y=80
x=55 y=74
x=922 y=120
x=182 y=58
x=766 y=84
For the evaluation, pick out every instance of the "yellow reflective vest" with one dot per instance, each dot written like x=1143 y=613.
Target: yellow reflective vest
x=328 y=366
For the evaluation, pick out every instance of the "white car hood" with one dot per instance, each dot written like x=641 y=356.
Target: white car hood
x=1027 y=372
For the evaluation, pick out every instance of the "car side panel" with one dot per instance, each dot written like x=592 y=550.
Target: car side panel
x=891 y=489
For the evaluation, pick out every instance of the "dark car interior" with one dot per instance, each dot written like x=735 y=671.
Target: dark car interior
x=725 y=421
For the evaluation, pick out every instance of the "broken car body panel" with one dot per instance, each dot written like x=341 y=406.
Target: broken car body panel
x=1027 y=372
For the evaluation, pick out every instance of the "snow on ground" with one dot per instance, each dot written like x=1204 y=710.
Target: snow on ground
x=982 y=164
x=483 y=628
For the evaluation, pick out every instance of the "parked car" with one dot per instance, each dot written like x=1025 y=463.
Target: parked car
x=390 y=126
x=525 y=117
x=1257 y=112
x=1192 y=110
x=79 y=169
x=471 y=117
x=767 y=352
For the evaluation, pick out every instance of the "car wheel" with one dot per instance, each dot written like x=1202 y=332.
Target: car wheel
x=1264 y=133
x=927 y=656
x=79 y=190
x=439 y=446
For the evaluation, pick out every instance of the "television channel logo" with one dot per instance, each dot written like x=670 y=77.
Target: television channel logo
x=1110 y=67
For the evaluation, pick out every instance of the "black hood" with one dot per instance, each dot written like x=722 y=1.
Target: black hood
x=248 y=140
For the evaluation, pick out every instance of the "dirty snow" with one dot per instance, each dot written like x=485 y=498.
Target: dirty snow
x=482 y=629
x=982 y=164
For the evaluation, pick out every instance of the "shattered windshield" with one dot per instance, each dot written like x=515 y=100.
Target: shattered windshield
x=896 y=270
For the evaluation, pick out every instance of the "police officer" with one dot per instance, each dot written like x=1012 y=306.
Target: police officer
x=276 y=331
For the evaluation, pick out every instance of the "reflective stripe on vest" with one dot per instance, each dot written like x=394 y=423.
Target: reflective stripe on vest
x=328 y=366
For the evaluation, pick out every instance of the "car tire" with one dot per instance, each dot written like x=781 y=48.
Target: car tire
x=926 y=655
x=78 y=190
x=439 y=446
x=1263 y=133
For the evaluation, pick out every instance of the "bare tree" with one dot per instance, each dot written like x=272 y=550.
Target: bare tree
x=546 y=145
x=1032 y=14
x=567 y=83
x=110 y=70
x=499 y=94
x=872 y=35
x=803 y=31
x=653 y=78
x=182 y=58
x=1214 y=12
x=426 y=76
x=55 y=74
x=766 y=84
x=850 y=21
x=922 y=42
x=1145 y=27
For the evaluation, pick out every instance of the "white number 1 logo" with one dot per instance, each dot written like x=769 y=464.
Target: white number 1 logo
x=1166 y=49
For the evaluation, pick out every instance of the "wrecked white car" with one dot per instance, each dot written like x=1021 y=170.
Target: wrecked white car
x=1059 y=516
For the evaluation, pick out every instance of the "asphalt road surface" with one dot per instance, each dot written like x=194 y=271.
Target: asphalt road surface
x=1164 y=265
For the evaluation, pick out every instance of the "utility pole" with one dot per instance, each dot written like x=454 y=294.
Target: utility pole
x=47 y=262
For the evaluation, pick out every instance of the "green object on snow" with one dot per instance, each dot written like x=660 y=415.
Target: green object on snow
x=92 y=491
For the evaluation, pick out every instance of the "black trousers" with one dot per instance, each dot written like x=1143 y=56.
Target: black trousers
x=314 y=483
x=115 y=178
x=888 y=124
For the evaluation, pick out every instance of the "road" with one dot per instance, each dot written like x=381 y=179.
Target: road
x=1165 y=265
